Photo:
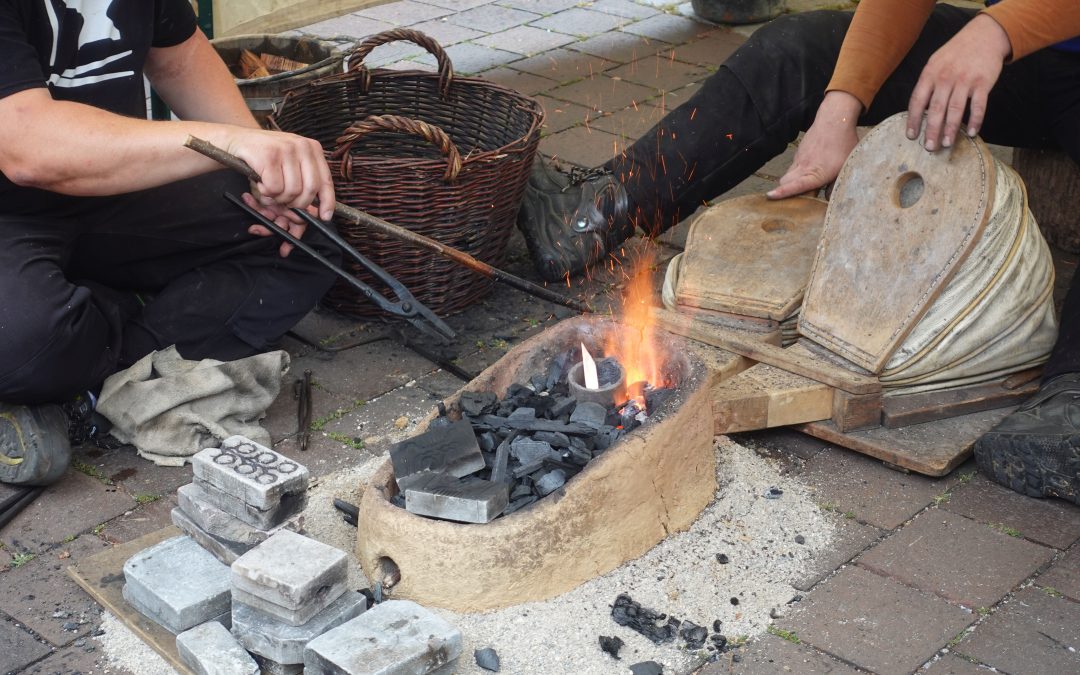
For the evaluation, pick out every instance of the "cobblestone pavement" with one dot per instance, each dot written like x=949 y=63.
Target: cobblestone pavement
x=953 y=575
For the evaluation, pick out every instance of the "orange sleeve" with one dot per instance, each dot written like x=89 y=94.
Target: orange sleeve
x=881 y=33
x=1034 y=24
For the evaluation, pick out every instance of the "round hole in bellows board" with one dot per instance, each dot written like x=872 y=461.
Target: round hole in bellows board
x=777 y=225
x=389 y=572
x=909 y=189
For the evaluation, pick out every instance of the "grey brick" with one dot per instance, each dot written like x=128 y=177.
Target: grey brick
x=469 y=58
x=192 y=501
x=403 y=12
x=1047 y=521
x=394 y=638
x=253 y=473
x=1032 y=633
x=292 y=571
x=525 y=40
x=442 y=496
x=580 y=22
x=18 y=648
x=1064 y=575
x=541 y=6
x=177 y=584
x=930 y=550
x=446 y=33
x=769 y=654
x=225 y=551
x=667 y=27
x=625 y=8
x=210 y=649
x=290 y=505
x=348 y=26
x=492 y=18
x=278 y=641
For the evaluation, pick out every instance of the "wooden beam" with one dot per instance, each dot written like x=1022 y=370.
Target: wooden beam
x=794 y=361
x=763 y=397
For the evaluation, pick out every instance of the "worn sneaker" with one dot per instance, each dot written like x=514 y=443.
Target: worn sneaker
x=34 y=445
x=1036 y=450
x=571 y=220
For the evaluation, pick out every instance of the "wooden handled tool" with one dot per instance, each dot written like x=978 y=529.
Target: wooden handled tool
x=358 y=217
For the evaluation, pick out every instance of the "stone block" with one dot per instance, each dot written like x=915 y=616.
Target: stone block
x=446 y=497
x=292 y=571
x=269 y=667
x=1047 y=521
x=252 y=473
x=210 y=649
x=177 y=584
x=1064 y=575
x=293 y=617
x=225 y=551
x=220 y=523
x=265 y=519
x=394 y=638
x=278 y=641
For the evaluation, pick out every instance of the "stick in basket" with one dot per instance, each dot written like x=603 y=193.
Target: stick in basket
x=359 y=217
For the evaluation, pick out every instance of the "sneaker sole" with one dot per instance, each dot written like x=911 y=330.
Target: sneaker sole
x=1020 y=465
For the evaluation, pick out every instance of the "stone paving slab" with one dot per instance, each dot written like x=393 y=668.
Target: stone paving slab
x=564 y=65
x=525 y=40
x=141 y=520
x=1052 y=522
x=581 y=22
x=668 y=28
x=135 y=475
x=619 y=47
x=603 y=93
x=873 y=493
x=40 y=596
x=561 y=115
x=469 y=58
x=1064 y=575
x=624 y=8
x=954 y=665
x=630 y=123
x=492 y=18
x=959 y=559
x=403 y=12
x=17 y=647
x=770 y=654
x=851 y=538
x=659 y=73
x=582 y=146
x=1031 y=633
x=73 y=660
x=348 y=26
x=525 y=83
x=711 y=50
x=874 y=622
x=446 y=33
x=541 y=6
x=74 y=504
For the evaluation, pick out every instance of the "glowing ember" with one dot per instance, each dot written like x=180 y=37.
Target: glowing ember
x=588 y=366
x=635 y=346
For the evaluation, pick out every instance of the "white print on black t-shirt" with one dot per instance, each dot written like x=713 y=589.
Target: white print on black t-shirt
x=96 y=27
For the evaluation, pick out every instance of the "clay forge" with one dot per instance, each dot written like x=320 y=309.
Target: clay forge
x=651 y=482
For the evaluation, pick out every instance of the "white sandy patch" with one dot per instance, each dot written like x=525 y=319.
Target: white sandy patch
x=124 y=649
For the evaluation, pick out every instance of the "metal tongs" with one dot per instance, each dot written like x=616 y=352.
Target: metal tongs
x=406 y=306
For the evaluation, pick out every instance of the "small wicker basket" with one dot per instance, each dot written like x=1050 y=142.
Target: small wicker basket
x=445 y=156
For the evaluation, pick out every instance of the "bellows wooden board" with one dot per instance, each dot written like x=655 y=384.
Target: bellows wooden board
x=900 y=222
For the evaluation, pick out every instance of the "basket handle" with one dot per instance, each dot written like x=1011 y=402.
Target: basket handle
x=432 y=134
x=354 y=58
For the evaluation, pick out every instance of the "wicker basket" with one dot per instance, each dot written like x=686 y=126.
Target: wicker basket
x=447 y=157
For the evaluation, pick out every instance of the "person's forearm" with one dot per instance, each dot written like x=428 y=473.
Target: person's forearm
x=1034 y=24
x=196 y=85
x=101 y=153
x=881 y=33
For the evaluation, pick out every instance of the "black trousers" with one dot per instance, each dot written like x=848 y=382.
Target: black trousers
x=70 y=268
x=769 y=90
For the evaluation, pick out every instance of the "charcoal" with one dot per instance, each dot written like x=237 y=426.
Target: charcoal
x=694 y=634
x=608 y=371
x=553 y=438
x=538 y=382
x=526 y=450
x=487 y=659
x=611 y=645
x=489 y=459
x=562 y=405
x=520 y=491
x=626 y=612
x=570 y=429
x=486 y=441
x=773 y=493
x=719 y=641
x=607 y=436
x=452 y=450
x=716 y=626
x=654 y=398
x=557 y=370
x=518 y=391
x=589 y=414
x=542 y=404
x=647 y=668
x=476 y=403
x=580 y=456
x=505 y=408
x=526 y=469
x=519 y=503
x=551 y=481
x=398 y=500
x=523 y=413
x=502 y=458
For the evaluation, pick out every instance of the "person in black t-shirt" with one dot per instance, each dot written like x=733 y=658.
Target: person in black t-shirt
x=97 y=203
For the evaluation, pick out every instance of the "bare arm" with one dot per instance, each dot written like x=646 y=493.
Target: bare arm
x=77 y=149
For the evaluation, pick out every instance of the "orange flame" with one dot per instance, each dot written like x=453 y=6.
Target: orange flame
x=635 y=344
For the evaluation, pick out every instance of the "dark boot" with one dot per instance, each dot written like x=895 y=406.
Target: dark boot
x=572 y=220
x=34 y=445
x=1036 y=450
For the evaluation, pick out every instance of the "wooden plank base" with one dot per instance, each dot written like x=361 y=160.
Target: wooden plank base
x=932 y=448
x=907 y=409
x=102 y=576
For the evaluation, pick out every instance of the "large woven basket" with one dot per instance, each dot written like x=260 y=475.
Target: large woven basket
x=445 y=156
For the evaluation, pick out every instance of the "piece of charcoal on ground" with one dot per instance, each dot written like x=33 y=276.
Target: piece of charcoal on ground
x=694 y=634
x=551 y=481
x=539 y=383
x=722 y=558
x=734 y=600
x=526 y=450
x=487 y=659
x=647 y=668
x=608 y=371
x=719 y=641
x=476 y=403
x=553 y=438
x=519 y=504
x=611 y=645
x=520 y=491
x=773 y=493
x=522 y=413
x=607 y=436
x=716 y=625
x=590 y=414
x=557 y=370
x=799 y=539
x=486 y=441
x=626 y=612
